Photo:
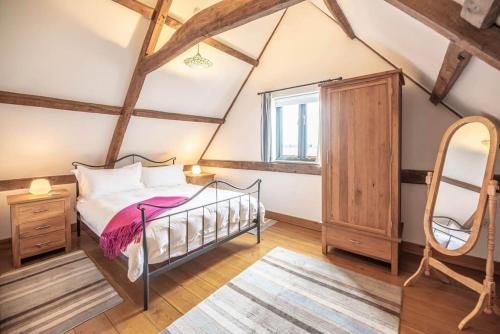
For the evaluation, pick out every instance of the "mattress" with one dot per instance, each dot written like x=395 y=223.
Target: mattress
x=201 y=223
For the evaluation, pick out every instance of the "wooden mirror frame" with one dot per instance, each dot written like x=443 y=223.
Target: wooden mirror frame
x=488 y=195
x=483 y=196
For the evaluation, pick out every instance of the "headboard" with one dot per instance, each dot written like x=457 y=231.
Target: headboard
x=134 y=157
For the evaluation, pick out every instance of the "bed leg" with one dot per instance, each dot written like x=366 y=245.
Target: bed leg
x=258 y=230
x=145 y=269
x=78 y=224
x=146 y=290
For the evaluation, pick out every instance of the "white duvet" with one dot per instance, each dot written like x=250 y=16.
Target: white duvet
x=96 y=213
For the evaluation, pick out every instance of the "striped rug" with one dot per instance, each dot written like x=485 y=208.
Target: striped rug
x=53 y=296
x=285 y=292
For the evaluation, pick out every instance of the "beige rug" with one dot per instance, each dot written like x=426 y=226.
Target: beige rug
x=286 y=292
x=54 y=296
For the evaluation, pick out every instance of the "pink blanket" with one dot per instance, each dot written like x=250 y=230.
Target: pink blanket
x=126 y=226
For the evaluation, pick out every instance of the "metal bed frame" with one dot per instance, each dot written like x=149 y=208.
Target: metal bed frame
x=173 y=262
x=447 y=227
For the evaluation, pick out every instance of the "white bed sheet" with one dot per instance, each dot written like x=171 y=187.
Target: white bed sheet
x=96 y=213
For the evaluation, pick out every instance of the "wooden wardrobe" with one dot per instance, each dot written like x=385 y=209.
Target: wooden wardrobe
x=361 y=139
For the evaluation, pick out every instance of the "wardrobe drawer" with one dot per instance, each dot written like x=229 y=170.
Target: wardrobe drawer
x=38 y=227
x=42 y=243
x=359 y=243
x=37 y=211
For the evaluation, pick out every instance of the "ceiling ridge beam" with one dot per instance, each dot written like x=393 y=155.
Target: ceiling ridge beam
x=78 y=106
x=173 y=23
x=137 y=81
x=454 y=62
x=443 y=16
x=216 y=19
x=338 y=13
x=242 y=86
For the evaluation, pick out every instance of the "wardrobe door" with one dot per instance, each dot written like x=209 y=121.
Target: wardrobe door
x=358 y=183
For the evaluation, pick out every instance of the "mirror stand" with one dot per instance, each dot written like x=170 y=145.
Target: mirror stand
x=486 y=289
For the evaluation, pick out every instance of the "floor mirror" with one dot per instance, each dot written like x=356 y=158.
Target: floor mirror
x=459 y=192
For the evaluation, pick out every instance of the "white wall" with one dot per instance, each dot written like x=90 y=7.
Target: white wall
x=86 y=50
x=293 y=57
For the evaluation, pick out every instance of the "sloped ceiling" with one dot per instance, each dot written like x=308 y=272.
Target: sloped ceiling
x=86 y=50
x=419 y=50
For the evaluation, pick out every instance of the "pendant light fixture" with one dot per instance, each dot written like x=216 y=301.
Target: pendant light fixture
x=198 y=61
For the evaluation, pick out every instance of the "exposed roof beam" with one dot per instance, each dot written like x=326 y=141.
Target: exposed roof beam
x=444 y=17
x=147 y=12
x=220 y=17
x=455 y=61
x=176 y=117
x=70 y=105
x=54 y=103
x=137 y=81
x=338 y=14
x=481 y=13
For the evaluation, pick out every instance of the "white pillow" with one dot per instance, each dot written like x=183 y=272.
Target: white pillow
x=97 y=182
x=163 y=176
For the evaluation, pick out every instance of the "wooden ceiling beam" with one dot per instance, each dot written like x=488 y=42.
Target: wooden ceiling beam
x=218 y=18
x=338 y=14
x=137 y=81
x=53 y=103
x=455 y=61
x=70 y=105
x=176 y=117
x=444 y=17
x=481 y=13
x=147 y=12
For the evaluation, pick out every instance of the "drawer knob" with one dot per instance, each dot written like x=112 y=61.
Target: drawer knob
x=43 y=244
x=355 y=241
x=43 y=227
x=41 y=210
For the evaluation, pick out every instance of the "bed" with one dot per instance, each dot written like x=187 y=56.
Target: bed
x=212 y=215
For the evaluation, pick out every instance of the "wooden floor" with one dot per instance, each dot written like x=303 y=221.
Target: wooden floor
x=428 y=307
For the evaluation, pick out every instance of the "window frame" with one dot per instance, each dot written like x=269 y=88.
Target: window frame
x=302 y=137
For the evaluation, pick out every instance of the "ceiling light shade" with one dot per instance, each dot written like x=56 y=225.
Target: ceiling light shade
x=198 y=61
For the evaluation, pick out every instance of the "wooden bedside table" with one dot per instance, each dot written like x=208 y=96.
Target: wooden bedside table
x=40 y=223
x=200 y=179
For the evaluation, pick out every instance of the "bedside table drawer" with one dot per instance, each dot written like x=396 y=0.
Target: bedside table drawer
x=39 y=227
x=37 y=211
x=42 y=243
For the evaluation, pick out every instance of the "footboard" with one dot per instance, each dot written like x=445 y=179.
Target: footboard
x=172 y=262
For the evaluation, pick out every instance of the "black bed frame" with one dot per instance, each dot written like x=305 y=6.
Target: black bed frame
x=205 y=247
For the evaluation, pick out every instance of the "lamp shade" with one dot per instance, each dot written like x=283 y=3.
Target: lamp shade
x=196 y=170
x=40 y=187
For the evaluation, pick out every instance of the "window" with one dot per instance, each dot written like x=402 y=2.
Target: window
x=296 y=127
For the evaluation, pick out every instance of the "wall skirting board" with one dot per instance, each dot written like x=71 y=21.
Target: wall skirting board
x=309 y=224
x=466 y=261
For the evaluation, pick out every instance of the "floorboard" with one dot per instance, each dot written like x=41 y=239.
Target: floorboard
x=428 y=307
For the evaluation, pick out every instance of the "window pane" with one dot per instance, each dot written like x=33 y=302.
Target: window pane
x=312 y=142
x=290 y=130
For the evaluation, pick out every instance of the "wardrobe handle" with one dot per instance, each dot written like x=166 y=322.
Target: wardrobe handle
x=355 y=241
x=40 y=210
